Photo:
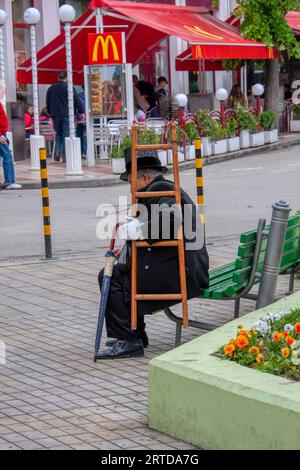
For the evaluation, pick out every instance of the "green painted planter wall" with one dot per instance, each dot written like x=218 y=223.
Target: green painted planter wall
x=218 y=404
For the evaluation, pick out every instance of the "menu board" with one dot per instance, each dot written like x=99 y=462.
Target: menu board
x=107 y=85
x=96 y=92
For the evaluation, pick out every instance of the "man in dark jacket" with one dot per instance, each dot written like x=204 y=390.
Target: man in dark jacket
x=157 y=268
x=58 y=108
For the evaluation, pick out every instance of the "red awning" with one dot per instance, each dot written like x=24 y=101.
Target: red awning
x=145 y=25
x=293 y=19
x=186 y=62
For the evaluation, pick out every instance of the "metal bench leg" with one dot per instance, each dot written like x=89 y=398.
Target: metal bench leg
x=178 y=334
x=291 y=282
x=237 y=308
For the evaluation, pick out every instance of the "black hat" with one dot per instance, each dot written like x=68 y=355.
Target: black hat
x=146 y=159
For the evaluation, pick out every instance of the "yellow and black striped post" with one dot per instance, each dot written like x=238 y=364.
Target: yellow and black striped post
x=199 y=180
x=46 y=207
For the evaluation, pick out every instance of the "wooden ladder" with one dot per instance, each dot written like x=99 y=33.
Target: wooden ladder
x=135 y=195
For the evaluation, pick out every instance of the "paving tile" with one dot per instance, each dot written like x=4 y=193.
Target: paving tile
x=52 y=394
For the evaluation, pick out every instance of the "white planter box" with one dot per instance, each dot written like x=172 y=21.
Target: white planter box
x=295 y=125
x=233 y=144
x=244 y=139
x=118 y=165
x=206 y=147
x=190 y=152
x=257 y=139
x=271 y=136
x=219 y=146
x=180 y=157
x=162 y=155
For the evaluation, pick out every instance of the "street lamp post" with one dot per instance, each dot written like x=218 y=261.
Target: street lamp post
x=258 y=90
x=73 y=151
x=32 y=17
x=222 y=95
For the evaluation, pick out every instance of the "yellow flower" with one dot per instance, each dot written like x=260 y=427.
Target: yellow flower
x=228 y=349
x=258 y=358
x=261 y=343
x=285 y=352
x=240 y=327
x=254 y=350
x=232 y=341
x=277 y=336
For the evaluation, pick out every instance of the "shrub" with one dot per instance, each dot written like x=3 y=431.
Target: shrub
x=244 y=119
x=205 y=121
x=267 y=119
x=191 y=131
x=296 y=111
x=217 y=132
x=231 y=127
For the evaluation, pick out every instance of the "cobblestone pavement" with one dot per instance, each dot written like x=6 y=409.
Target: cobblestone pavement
x=52 y=394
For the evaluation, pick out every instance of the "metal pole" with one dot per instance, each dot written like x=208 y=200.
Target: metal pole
x=223 y=121
x=70 y=80
x=276 y=238
x=99 y=21
x=34 y=80
x=45 y=199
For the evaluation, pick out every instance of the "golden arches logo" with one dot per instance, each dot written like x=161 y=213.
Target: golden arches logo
x=104 y=45
x=202 y=32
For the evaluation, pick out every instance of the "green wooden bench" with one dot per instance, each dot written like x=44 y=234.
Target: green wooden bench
x=234 y=281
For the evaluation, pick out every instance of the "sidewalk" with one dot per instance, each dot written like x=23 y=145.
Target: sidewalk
x=52 y=394
x=102 y=175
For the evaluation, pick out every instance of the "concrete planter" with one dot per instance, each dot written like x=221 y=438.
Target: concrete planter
x=218 y=404
x=118 y=165
x=219 y=147
x=180 y=157
x=244 y=139
x=190 y=152
x=162 y=155
x=271 y=136
x=206 y=147
x=257 y=139
x=295 y=125
x=233 y=144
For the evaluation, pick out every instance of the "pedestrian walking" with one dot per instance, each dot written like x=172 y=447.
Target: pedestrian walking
x=81 y=125
x=6 y=155
x=58 y=108
x=157 y=268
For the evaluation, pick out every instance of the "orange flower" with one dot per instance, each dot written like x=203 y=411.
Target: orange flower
x=290 y=340
x=285 y=352
x=245 y=333
x=241 y=341
x=285 y=334
x=232 y=341
x=254 y=350
x=297 y=328
x=258 y=358
x=277 y=336
x=228 y=349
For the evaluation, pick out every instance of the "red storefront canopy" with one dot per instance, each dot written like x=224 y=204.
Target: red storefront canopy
x=293 y=19
x=145 y=25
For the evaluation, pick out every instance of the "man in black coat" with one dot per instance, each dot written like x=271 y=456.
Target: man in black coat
x=58 y=108
x=157 y=268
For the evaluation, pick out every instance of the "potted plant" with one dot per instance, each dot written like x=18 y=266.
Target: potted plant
x=233 y=141
x=117 y=157
x=191 y=133
x=206 y=123
x=257 y=136
x=149 y=136
x=267 y=119
x=218 y=138
x=244 y=118
x=295 y=120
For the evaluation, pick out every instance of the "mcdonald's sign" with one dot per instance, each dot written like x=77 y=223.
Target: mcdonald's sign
x=105 y=48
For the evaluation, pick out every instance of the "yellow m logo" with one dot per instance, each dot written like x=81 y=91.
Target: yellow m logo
x=104 y=44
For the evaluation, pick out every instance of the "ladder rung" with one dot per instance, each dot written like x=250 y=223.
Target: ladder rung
x=156 y=244
x=154 y=147
x=154 y=194
x=158 y=297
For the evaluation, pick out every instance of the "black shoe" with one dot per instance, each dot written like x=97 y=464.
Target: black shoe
x=121 y=349
x=141 y=334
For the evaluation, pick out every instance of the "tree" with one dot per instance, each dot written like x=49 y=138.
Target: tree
x=264 y=20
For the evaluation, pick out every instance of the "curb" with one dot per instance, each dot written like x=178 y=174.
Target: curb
x=115 y=180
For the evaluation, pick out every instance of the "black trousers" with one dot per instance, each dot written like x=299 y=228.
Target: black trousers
x=118 y=312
